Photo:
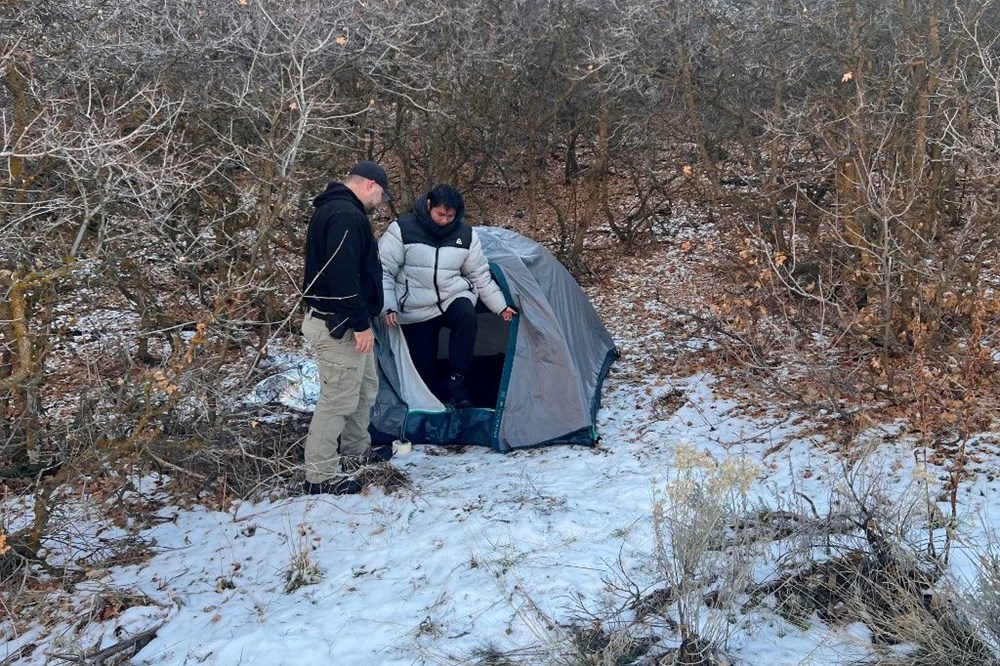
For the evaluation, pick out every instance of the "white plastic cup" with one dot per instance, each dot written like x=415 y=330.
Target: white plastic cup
x=399 y=447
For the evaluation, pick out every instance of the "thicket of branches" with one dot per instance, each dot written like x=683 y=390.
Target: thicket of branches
x=162 y=156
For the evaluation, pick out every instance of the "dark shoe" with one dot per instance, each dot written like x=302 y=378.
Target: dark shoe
x=373 y=456
x=382 y=453
x=457 y=391
x=335 y=486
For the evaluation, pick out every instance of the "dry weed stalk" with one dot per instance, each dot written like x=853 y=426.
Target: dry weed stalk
x=302 y=567
x=706 y=565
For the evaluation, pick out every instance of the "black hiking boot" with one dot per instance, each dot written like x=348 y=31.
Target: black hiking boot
x=459 y=394
x=373 y=456
x=338 y=485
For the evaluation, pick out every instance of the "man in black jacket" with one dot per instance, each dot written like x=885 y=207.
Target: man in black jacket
x=342 y=293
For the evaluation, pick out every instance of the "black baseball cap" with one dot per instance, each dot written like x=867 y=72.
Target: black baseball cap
x=372 y=171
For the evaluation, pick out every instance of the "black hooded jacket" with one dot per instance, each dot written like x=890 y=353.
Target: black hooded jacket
x=343 y=275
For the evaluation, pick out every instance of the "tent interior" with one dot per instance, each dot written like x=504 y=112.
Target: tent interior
x=483 y=381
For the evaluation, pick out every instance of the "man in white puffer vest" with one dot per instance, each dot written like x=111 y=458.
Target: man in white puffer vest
x=433 y=272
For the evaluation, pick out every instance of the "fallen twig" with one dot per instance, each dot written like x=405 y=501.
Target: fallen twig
x=98 y=657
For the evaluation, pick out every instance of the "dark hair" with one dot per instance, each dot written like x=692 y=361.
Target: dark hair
x=445 y=195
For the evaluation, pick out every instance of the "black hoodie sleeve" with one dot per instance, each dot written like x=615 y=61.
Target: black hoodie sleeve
x=343 y=277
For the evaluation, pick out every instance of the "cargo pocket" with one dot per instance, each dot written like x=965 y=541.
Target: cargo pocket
x=341 y=376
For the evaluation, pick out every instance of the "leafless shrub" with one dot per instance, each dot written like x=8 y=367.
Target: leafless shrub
x=705 y=565
x=164 y=169
x=855 y=153
x=876 y=559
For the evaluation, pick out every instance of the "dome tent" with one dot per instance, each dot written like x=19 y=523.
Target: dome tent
x=534 y=381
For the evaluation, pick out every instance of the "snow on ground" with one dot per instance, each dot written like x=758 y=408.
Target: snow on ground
x=485 y=552
x=496 y=554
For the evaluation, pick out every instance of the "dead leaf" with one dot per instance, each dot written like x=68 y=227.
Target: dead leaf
x=848 y=76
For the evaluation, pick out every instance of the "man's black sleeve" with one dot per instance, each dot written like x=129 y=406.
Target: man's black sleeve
x=343 y=274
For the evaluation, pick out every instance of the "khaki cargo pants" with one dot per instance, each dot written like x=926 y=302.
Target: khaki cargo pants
x=348 y=386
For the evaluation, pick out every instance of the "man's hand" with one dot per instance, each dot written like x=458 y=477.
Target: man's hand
x=390 y=318
x=364 y=341
x=508 y=314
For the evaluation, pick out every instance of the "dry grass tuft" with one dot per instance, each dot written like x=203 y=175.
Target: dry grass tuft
x=385 y=476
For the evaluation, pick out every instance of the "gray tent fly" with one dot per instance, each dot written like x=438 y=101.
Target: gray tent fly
x=534 y=381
